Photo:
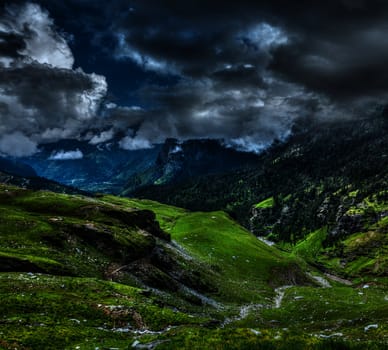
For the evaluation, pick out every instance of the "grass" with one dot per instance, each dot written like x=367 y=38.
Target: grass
x=331 y=310
x=362 y=253
x=245 y=266
x=310 y=247
x=50 y=312
x=248 y=338
x=72 y=303
x=367 y=252
x=267 y=203
x=369 y=206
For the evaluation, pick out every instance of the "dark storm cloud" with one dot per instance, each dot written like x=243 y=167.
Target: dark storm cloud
x=42 y=97
x=238 y=76
x=182 y=40
x=238 y=70
x=336 y=47
x=47 y=96
x=247 y=69
x=242 y=117
x=341 y=53
x=221 y=54
x=11 y=44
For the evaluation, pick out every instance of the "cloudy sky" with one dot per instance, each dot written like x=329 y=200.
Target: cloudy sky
x=143 y=70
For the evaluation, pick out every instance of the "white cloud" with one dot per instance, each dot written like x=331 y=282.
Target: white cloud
x=110 y=105
x=67 y=155
x=89 y=100
x=266 y=36
x=126 y=51
x=135 y=143
x=247 y=144
x=102 y=137
x=43 y=44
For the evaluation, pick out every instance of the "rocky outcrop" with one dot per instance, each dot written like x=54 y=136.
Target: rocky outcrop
x=260 y=223
x=143 y=219
x=11 y=264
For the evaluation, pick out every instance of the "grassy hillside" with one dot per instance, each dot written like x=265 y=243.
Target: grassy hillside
x=246 y=269
x=113 y=273
x=302 y=175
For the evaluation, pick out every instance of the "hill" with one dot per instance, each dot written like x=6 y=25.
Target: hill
x=323 y=170
x=109 y=272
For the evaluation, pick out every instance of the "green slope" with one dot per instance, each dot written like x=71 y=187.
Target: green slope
x=246 y=269
x=99 y=273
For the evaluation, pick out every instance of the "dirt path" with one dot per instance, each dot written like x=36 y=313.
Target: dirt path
x=338 y=279
x=280 y=295
x=245 y=310
x=322 y=281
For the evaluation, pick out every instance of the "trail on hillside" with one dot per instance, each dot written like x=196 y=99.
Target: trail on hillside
x=266 y=241
x=280 y=292
x=179 y=249
x=204 y=299
x=323 y=282
x=338 y=279
x=244 y=312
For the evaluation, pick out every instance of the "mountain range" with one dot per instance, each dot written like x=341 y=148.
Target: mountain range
x=108 y=168
x=88 y=270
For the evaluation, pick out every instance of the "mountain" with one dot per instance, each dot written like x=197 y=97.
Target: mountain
x=108 y=168
x=178 y=162
x=320 y=159
x=96 y=168
x=112 y=272
x=13 y=167
x=321 y=195
x=15 y=172
x=109 y=272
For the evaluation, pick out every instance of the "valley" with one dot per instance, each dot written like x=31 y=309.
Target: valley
x=283 y=250
x=207 y=175
x=109 y=272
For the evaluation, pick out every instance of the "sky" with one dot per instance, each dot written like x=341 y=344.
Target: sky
x=144 y=70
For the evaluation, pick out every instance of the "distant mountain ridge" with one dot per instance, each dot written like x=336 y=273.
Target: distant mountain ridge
x=15 y=172
x=17 y=168
x=322 y=194
x=108 y=168
x=319 y=159
x=178 y=162
x=101 y=168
